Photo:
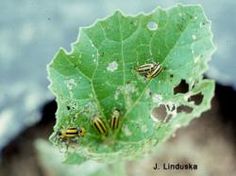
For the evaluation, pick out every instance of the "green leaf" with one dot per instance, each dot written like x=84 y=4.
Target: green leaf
x=99 y=75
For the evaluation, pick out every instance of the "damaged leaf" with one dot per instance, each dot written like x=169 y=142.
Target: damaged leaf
x=99 y=75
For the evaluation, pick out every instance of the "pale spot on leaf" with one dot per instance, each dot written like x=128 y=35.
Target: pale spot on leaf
x=152 y=25
x=156 y=98
x=112 y=66
x=194 y=37
x=126 y=130
x=70 y=84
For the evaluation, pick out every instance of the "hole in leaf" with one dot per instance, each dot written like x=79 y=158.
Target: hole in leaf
x=197 y=98
x=152 y=25
x=170 y=107
x=182 y=87
x=171 y=75
x=159 y=113
x=184 y=108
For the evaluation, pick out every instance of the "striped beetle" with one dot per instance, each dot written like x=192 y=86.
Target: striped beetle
x=99 y=125
x=149 y=70
x=70 y=135
x=115 y=118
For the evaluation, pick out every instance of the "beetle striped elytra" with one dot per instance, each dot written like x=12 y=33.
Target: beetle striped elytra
x=115 y=119
x=71 y=133
x=144 y=69
x=149 y=71
x=154 y=72
x=99 y=125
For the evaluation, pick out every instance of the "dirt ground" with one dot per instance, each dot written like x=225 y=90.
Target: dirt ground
x=209 y=141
